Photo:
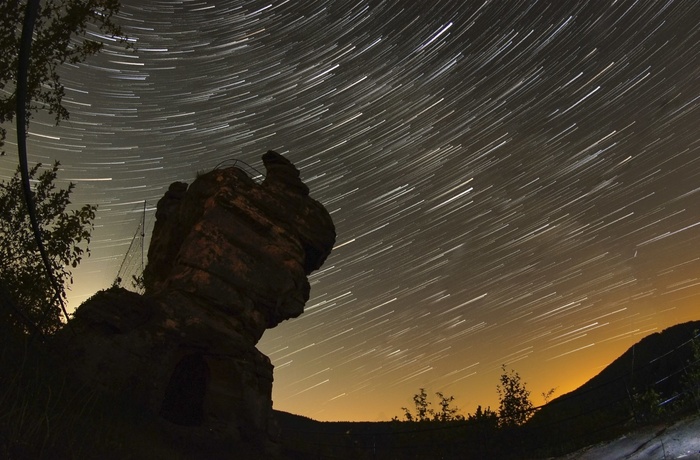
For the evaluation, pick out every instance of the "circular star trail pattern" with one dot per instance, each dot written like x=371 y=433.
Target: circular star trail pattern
x=511 y=182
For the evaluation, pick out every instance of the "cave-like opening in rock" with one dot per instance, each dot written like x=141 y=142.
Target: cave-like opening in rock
x=183 y=403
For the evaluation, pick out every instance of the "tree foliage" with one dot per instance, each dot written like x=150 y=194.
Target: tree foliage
x=691 y=373
x=485 y=417
x=515 y=407
x=447 y=412
x=647 y=406
x=424 y=413
x=59 y=38
x=64 y=231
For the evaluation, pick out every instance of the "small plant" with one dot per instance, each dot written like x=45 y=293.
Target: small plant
x=647 y=406
x=547 y=395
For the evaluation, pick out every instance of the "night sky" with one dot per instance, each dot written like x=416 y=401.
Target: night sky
x=512 y=182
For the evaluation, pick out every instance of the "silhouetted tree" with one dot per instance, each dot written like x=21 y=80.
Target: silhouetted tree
x=515 y=407
x=50 y=35
x=21 y=271
x=59 y=37
x=423 y=412
x=447 y=412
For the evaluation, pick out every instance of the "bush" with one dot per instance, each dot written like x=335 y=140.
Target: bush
x=515 y=407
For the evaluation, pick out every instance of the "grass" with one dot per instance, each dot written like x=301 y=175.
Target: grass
x=46 y=414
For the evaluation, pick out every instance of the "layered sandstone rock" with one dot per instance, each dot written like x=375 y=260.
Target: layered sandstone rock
x=228 y=259
x=240 y=247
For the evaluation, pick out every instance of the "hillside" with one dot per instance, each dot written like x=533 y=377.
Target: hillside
x=628 y=391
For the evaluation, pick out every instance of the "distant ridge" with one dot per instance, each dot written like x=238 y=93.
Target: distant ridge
x=604 y=402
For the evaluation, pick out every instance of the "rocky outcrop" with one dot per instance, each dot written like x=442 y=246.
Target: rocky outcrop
x=228 y=259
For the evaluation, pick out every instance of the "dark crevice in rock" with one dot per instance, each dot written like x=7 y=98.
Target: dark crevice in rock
x=184 y=396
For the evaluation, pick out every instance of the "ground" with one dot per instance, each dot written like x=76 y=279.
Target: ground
x=677 y=440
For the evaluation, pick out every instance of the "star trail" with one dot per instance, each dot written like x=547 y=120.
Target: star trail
x=511 y=182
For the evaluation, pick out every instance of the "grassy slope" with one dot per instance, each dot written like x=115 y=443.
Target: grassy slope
x=44 y=413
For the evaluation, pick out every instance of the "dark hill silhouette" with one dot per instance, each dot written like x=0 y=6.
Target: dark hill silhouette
x=605 y=405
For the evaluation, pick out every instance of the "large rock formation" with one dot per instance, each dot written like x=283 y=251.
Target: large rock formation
x=228 y=259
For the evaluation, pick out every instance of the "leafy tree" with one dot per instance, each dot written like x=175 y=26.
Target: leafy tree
x=35 y=40
x=515 y=406
x=63 y=231
x=423 y=412
x=59 y=38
